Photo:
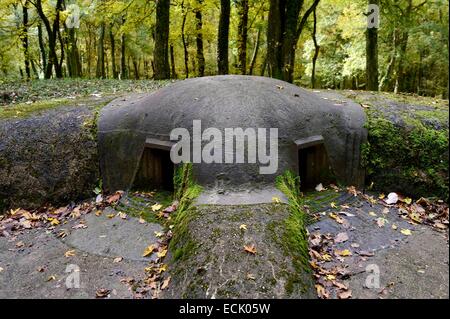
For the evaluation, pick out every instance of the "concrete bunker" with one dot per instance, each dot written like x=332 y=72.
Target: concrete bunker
x=318 y=138
x=155 y=170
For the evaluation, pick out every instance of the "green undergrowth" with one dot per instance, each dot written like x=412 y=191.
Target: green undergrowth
x=182 y=244
x=295 y=238
x=411 y=159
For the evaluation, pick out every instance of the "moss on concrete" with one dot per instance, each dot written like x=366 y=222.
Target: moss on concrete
x=411 y=158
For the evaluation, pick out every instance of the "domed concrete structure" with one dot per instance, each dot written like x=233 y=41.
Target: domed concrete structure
x=318 y=138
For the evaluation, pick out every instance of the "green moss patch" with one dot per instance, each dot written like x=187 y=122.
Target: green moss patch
x=411 y=158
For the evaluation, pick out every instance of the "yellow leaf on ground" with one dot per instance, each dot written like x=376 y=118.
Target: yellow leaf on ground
x=343 y=253
x=156 y=207
x=406 y=232
x=162 y=253
x=373 y=214
x=276 y=200
x=69 y=253
x=243 y=227
x=394 y=227
x=149 y=250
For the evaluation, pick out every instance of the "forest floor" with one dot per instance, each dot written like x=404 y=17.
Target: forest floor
x=353 y=239
x=360 y=247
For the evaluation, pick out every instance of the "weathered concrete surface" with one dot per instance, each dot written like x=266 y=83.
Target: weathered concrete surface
x=230 y=102
x=219 y=267
x=49 y=157
x=20 y=277
x=112 y=237
x=415 y=266
x=216 y=196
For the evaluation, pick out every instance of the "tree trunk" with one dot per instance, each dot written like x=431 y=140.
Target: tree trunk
x=42 y=47
x=73 y=55
x=183 y=38
x=372 y=56
x=172 y=63
x=386 y=79
x=113 y=52
x=161 y=52
x=100 y=71
x=199 y=40
x=135 y=67
x=52 y=32
x=25 y=39
x=316 y=51
x=284 y=29
x=399 y=73
x=255 y=52
x=223 y=33
x=242 y=6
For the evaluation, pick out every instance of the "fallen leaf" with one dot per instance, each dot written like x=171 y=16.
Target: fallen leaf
x=333 y=205
x=345 y=294
x=319 y=188
x=341 y=237
x=117 y=259
x=20 y=244
x=330 y=277
x=439 y=225
x=69 y=253
x=158 y=234
x=148 y=251
x=156 y=207
x=276 y=200
x=1 y=269
x=113 y=198
x=122 y=215
x=243 y=227
x=165 y=283
x=52 y=277
x=407 y=200
x=338 y=219
x=250 y=249
x=381 y=221
x=373 y=214
x=162 y=268
x=326 y=257
x=141 y=220
x=340 y=285
x=251 y=276
x=343 y=253
x=394 y=227
x=162 y=253
x=110 y=216
x=406 y=232
x=98 y=213
x=26 y=223
x=79 y=226
x=355 y=245
x=102 y=293
x=322 y=292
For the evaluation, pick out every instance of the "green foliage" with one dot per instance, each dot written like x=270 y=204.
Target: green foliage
x=411 y=159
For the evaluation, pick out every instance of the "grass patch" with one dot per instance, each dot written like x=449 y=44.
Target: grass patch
x=182 y=243
x=295 y=238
